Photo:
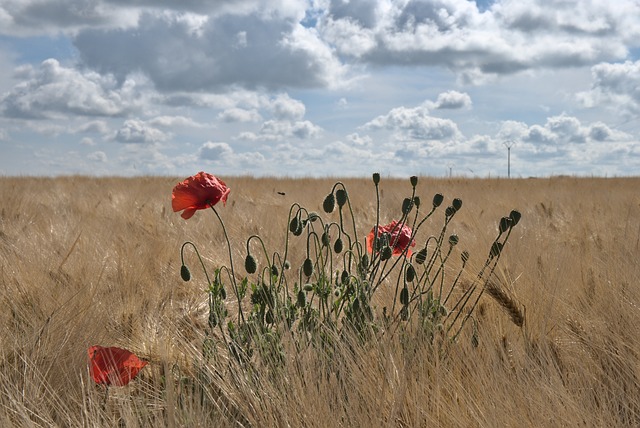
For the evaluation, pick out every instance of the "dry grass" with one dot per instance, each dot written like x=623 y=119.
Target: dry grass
x=96 y=261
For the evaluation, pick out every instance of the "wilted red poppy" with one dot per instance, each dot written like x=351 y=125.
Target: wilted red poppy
x=113 y=366
x=400 y=237
x=198 y=193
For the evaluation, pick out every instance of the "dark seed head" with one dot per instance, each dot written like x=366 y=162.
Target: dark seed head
x=505 y=222
x=341 y=197
x=294 y=224
x=416 y=201
x=404 y=296
x=250 y=264
x=421 y=256
x=450 y=211
x=515 y=217
x=376 y=178
x=414 y=180
x=464 y=256
x=386 y=253
x=338 y=246
x=457 y=203
x=410 y=273
x=437 y=200
x=453 y=240
x=407 y=204
x=184 y=273
x=274 y=270
x=496 y=248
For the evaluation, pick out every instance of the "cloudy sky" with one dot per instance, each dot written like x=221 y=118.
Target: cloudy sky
x=320 y=87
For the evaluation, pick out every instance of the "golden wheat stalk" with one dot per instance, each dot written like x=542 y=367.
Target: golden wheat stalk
x=507 y=302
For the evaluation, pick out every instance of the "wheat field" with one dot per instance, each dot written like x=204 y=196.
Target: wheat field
x=87 y=261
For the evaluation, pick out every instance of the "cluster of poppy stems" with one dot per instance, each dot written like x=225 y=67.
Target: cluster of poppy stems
x=117 y=366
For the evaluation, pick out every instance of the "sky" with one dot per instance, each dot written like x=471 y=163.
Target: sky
x=314 y=88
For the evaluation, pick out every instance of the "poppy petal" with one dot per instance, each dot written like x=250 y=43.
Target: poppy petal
x=113 y=366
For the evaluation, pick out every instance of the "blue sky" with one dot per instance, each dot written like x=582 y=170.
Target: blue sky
x=319 y=87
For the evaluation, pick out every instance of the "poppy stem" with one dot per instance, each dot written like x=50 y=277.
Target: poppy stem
x=233 y=275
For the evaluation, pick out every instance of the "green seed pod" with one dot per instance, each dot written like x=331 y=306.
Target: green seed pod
x=301 y=301
x=341 y=197
x=416 y=201
x=307 y=267
x=344 y=277
x=515 y=217
x=437 y=200
x=250 y=264
x=496 y=248
x=464 y=256
x=457 y=203
x=325 y=239
x=294 y=224
x=329 y=203
x=308 y=287
x=376 y=178
x=410 y=273
x=505 y=223
x=407 y=204
x=453 y=240
x=404 y=296
x=414 y=180
x=421 y=257
x=450 y=211
x=386 y=253
x=338 y=246
x=185 y=274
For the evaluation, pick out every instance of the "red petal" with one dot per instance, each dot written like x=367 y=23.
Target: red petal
x=113 y=366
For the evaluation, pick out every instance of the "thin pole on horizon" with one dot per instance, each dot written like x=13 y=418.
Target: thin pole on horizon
x=508 y=144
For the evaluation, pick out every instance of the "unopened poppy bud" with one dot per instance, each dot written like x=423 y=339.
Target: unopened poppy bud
x=410 y=273
x=250 y=264
x=416 y=201
x=344 y=277
x=406 y=206
x=307 y=267
x=437 y=200
x=329 y=203
x=386 y=253
x=453 y=240
x=421 y=257
x=325 y=239
x=365 y=261
x=404 y=313
x=496 y=248
x=287 y=265
x=355 y=305
x=274 y=270
x=222 y=293
x=185 y=274
x=301 y=300
x=308 y=287
x=341 y=197
x=450 y=211
x=313 y=216
x=338 y=246
x=515 y=217
x=505 y=222
x=464 y=256
x=457 y=203
x=404 y=296
x=294 y=224
x=268 y=317
x=376 y=178
x=414 y=180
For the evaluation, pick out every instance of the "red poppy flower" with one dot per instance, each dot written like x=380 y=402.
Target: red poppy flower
x=113 y=366
x=198 y=193
x=400 y=237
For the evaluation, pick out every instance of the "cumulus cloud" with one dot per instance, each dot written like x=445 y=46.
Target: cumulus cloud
x=215 y=151
x=616 y=86
x=277 y=130
x=137 y=131
x=414 y=123
x=452 y=100
x=236 y=114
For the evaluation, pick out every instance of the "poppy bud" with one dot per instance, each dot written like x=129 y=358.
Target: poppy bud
x=294 y=224
x=287 y=265
x=268 y=317
x=376 y=178
x=341 y=197
x=325 y=239
x=313 y=216
x=453 y=240
x=274 y=270
x=437 y=200
x=404 y=313
x=329 y=203
x=222 y=292
x=355 y=305
x=307 y=267
x=505 y=222
x=404 y=296
x=450 y=211
x=496 y=248
x=421 y=257
x=338 y=246
x=184 y=273
x=464 y=256
x=416 y=201
x=250 y=264
x=515 y=217
x=365 y=261
x=386 y=253
x=301 y=301
x=344 y=277
x=457 y=203
x=308 y=287
x=410 y=273
x=414 y=180
x=406 y=206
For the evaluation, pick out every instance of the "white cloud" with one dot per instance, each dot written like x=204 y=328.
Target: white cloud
x=215 y=151
x=414 y=123
x=277 y=130
x=616 y=86
x=237 y=114
x=137 y=131
x=452 y=100
x=98 y=156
